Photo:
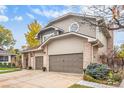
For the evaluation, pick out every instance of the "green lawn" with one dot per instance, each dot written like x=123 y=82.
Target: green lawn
x=7 y=70
x=79 y=86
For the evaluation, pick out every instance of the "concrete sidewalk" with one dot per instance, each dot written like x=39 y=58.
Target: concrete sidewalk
x=94 y=85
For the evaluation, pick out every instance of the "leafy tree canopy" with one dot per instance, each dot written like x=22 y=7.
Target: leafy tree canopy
x=33 y=28
x=6 y=37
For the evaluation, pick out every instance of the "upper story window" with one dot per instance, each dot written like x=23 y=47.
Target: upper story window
x=74 y=27
x=45 y=37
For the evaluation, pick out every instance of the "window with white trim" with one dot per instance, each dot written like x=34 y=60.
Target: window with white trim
x=74 y=27
x=45 y=37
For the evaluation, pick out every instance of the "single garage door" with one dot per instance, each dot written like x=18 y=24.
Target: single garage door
x=39 y=62
x=71 y=63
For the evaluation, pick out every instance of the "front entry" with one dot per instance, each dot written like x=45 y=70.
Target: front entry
x=38 y=62
x=70 y=63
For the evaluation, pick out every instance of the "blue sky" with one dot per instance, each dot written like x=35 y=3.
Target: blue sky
x=17 y=17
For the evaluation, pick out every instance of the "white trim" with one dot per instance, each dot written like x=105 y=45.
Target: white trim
x=37 y=49
x=72 y=25
x=45 y=28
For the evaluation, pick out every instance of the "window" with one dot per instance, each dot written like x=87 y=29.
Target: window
x=74 y=27
x=45 y=37
x=3 y=58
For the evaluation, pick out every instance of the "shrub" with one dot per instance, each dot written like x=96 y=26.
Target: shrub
x=97 y=71
x=13 y=65
x=91 y=79
x=117 y=78
x=9 y=65
x=0 y=64
x=4 y=64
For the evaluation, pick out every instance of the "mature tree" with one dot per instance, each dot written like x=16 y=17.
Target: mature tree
x=34 y=28
x=6 y=37
x=113 y=15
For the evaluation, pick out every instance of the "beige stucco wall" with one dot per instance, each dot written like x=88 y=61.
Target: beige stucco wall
x=39 y=53
x=83 y=28
x=65 y=45
x=71 y=44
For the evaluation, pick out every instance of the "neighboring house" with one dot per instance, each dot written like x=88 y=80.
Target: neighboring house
x=69 y=44
x=6 y=57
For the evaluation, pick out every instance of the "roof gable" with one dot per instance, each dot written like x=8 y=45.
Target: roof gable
x=68 y=15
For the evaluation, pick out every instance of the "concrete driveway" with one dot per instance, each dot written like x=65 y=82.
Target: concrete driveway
x=38 y=79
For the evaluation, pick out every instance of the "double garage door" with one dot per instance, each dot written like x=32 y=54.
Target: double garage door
x=70 y=63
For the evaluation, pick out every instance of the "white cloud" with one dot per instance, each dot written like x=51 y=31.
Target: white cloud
x=50 y=13
x=3 y=18
x=2 y=9
x=37 y=11
x=30 y=15
x=18 y=18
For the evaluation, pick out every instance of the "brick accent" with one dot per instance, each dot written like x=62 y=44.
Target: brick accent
x=46 y=58
x=87 y=54
x=29 y=59
x=110 y=42
x=23 y=61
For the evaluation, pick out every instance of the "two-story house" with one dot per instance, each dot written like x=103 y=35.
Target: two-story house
x=68 y=44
